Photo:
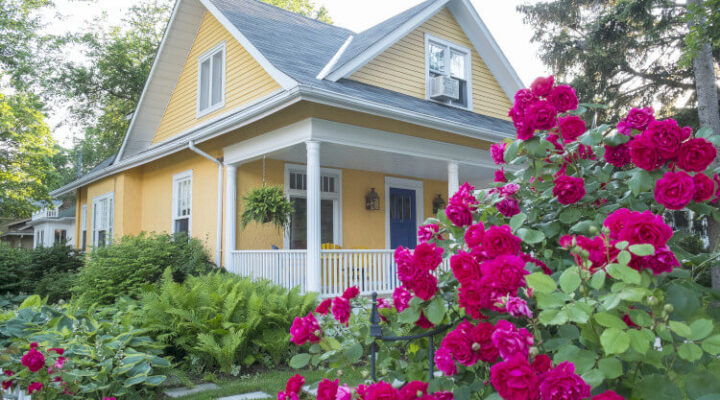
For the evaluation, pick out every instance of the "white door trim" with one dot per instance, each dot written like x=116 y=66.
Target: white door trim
x=401 y=183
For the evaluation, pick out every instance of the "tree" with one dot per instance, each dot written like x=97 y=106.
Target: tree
x=26 y=149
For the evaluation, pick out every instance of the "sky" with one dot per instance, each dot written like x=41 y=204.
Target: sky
x=500 y=16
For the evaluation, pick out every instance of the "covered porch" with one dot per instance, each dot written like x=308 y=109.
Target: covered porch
x=336 y=240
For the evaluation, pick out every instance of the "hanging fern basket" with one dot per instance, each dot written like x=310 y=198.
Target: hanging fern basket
x=267 y=205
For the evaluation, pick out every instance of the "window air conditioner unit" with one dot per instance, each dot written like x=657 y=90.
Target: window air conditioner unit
x=444 y=88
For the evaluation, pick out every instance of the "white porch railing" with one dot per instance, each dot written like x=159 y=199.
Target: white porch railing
x=369 y=270
x=14 y=394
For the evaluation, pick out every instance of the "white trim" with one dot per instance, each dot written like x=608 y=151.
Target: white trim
x=381 y=45
x=284 y=80
x=210 y=56
x=110 y=197
x=177 y=178
x=83 y=226
x=401 y=183
x=331 y=64
x=468 y=70
x=336 y=197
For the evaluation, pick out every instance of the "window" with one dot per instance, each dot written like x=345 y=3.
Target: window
x=102 y=220
x=83 y=226
x=182 y=203
x=330 y=206
x=60 y=235
x=211 y=80
x=450 y=60
x=39 y=238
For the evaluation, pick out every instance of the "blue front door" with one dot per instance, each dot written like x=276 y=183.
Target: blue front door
x=403 y=230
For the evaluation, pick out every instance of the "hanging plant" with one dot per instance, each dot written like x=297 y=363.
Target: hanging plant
x=267 y=204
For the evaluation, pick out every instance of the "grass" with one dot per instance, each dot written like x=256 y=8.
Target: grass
x=270 y=382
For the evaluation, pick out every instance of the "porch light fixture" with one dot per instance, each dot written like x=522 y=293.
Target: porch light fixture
x=438 y=204
x=372 y=200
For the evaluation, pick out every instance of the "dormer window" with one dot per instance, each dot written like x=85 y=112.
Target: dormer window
x=448 y=74
x=211 y=80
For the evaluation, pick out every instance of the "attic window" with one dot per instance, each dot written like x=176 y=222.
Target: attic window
x=448 y=73
x=211 y=80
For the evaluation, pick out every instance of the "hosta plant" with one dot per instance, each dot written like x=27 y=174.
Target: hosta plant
x=565 y=280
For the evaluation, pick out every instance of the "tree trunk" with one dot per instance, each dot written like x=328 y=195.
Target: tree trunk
x=709 y=115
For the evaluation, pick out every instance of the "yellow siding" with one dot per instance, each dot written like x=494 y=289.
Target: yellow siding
x=402 y=66
x=245 y=81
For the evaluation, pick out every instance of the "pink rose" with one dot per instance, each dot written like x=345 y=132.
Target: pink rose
x=517 y=307
x=33 y=360
x=662 y=261
x=406 y=268
x=413 y=390
x=500 y=176
x=443 y=396
x=608 y=395
x=571 y=127
x=324 y=307
x=675 y=190
x=563 y=97
x=569 y=189
x=509 y=340
x=401 y=298
x=508 y=207
x=428 y=232
x=542 y=86
x=499 y=240
x=59 y=363
x=667 y=136
x=295 y=383
x=425 y=286
x=638 y=118
x=514 y=379
x=459 y=214
x=696 y=155
x=427 y=256
x=423 y=322
x=465 y=268
x=561 y=383
x=506 y=272
x=615 y=222
x=523 y=98
x=351 y=292
x=287 y=396
x=57 y=351
x=341 y=310
x=643 y=153
x=327 y=389
x=305 y=330
x=445 y=362
x=645 y=227
x=380 y=391
x=460 y=345
x=704 y=187
x=479 y=295
x=541 y=115
x=344 y=393
x=618 y=156
x=497 y=152
x=35 y=387
x=481 y=337
x=542 y=363
x=474 y=234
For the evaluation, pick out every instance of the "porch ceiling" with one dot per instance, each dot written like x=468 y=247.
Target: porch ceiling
x=348 y=157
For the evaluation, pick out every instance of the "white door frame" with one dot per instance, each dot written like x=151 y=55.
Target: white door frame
x=401 y=183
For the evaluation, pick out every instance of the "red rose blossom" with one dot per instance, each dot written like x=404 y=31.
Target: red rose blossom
x=474 y=234
x=704 y=187
x=35 y=387
x=561 y=383
x=541 y=115
x=413 y=390
x=508 y=207
x=423 y=322
x=460 y=345
x=380 y=391
x=341 y=310
x=428 y=232
x=571 y=127
x=643 y=153
x=445 y=362
x=542 y=86
x=427 y=256
x=618 y=156
x=667 y=136
x=514 y=379
x=465 y=268
x=608 y=395
x=506 y=272
x=509 y=340
x=696 y=155
x=33 y=360
x=425 y=286
x=295 y=383
x=542 y=363
x=500 y=176
x=324 y=307
x=645 y=227
x=563 y=97
x=459 y=214
x=675 y=190
x=497 y=152
x=305 y=329
x=327 y=389
x=351 y=292
x=569 y=189
x=401 y=298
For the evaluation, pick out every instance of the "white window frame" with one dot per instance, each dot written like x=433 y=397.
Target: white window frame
x=208 y=55
x=110 y=197
x=401 y=183
x=468 y=69
x=83 y=226
x=336 y=197
x=177 y=178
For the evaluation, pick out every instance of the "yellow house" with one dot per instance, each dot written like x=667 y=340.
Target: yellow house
x=242 y=92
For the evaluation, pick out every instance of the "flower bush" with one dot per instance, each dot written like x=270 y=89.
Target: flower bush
x=565 y=281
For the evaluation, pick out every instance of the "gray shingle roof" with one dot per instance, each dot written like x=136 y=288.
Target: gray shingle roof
x=301 y=47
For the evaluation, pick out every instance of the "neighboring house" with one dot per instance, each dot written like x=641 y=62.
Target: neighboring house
x=52 y=225
x=17 y=234
x=242 y=91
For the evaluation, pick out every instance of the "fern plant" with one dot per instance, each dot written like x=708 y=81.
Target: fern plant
x=222 y=320
x=266 y=204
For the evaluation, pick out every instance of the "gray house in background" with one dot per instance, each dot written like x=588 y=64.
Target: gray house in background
x=17 y=234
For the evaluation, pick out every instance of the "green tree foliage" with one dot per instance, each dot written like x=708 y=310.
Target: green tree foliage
x=19 y=30
x=26 y=149
x=707 y=28
x=619 y=53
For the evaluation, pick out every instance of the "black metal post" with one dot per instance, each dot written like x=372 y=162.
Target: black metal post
x=431 y=357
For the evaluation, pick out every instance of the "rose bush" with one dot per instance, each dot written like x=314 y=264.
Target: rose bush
x=577 y=289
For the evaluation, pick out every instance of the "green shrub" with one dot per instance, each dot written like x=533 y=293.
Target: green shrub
x=223 y=320
x=135 y=261
x=46 y=271
x=105 y=355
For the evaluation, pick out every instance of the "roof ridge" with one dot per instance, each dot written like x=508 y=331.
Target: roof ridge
x=429 y=2
x=302 y=16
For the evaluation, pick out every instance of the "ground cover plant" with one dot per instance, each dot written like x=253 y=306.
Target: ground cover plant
x=566 y=281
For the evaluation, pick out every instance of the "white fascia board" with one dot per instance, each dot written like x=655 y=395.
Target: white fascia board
x=486 y=46
x=373 y=139
x=331 y=64
x=283 y=79
x=347 y=69
x=173 y=15
x=253 y=148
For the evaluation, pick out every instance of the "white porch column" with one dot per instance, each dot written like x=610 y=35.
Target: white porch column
x=453 y=178
x=230 y=212
x=314 y=274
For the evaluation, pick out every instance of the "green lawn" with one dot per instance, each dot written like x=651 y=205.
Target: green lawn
x=270 y=382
